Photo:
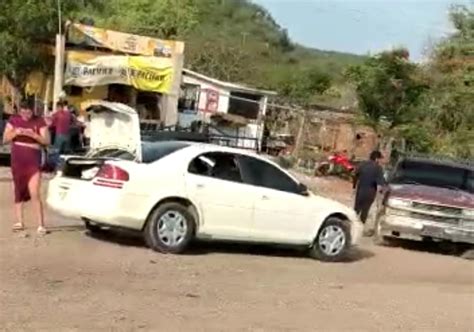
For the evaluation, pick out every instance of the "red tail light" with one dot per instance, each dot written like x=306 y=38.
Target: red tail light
x=111 y=176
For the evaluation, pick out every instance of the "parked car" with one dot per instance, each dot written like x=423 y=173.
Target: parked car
x=175 y=191
x=4 y=148
x=428 y=200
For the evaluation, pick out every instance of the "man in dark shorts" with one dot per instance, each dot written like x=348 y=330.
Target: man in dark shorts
x=368 y=177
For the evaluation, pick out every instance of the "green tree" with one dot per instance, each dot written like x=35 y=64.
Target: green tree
x=167 y=19
x=27 y=23
x=234 y=40
x=220 y=60
x=388 y=89
x=430 y=106
x=451 y=98
x=300 y=85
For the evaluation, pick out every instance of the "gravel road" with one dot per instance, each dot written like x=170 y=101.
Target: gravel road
x=71 y=281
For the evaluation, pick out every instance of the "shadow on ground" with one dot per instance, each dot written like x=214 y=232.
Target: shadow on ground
x=208 y=248
x=432 y=247
x=65 y=229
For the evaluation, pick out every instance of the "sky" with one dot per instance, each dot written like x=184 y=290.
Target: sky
x=363 y=26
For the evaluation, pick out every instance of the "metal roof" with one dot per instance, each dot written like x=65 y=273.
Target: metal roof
x=228 y=85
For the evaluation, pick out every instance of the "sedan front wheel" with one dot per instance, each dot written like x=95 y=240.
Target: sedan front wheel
x=333 y=241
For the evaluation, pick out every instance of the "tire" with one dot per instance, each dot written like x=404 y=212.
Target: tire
x=322 y=250
x=176 y=235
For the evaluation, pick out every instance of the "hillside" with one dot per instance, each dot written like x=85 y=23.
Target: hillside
x=233 y=40
x=249 y=30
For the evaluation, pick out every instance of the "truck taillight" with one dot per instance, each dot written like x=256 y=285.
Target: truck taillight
x=111 y=176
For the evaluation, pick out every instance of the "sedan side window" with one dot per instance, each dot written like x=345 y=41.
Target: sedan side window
x=217 y=165
x=262 y=174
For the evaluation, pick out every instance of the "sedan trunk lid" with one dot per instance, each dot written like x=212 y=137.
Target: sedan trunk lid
x=113 y=126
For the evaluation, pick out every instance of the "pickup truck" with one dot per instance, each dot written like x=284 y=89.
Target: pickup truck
x=428 y=199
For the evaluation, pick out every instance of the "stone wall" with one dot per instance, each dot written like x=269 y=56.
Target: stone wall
x=326 y=131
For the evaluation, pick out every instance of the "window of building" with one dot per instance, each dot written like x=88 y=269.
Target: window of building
x=244 y=104
x=189 y=98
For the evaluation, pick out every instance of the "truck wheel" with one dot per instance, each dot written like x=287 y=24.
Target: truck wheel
x=170 y=228
x=333 y=241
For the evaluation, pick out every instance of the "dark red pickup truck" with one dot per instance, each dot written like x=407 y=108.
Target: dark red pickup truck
x=428 y=200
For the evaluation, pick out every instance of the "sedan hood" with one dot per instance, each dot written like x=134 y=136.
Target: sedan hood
x=330 y=204
x=113 y=126
x=435 y=195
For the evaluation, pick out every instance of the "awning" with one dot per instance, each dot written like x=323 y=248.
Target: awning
x=86 y=69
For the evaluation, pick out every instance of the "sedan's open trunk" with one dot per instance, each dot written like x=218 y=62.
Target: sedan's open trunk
x=82 y=168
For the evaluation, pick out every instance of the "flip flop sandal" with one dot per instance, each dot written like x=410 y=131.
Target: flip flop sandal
x=18 y=227
x=42 y=231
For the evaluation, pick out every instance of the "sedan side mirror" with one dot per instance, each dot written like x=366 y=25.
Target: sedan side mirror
x=303 y=190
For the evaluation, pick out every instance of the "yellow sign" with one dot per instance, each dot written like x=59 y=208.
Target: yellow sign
x=80 y=34
x=143 y=73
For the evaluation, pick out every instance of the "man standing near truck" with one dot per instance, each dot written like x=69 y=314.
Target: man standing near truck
x=367 y=179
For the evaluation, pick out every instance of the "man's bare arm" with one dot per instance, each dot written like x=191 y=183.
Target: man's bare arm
x=9 y=134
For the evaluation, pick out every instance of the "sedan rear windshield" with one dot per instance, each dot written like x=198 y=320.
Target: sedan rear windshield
x=434 y=175
x=151 y=151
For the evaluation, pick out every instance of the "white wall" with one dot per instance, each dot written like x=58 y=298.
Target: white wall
x=250 y=130
x=223 y=103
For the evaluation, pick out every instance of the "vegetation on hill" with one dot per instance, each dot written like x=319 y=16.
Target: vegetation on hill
x=233 y=40
x=429 y=105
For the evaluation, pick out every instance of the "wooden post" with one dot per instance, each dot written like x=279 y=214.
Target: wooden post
x=58 y=68
x=300 y=136
x=47 y=93
x=262 y=107
x=170 y=104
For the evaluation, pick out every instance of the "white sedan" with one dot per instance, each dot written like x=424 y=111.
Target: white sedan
x=174 y=192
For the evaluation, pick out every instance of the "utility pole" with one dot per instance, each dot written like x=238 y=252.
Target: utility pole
x=59 y=59
x=300 y=135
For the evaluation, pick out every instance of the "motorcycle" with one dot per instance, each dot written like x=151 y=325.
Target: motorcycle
x=337 y=164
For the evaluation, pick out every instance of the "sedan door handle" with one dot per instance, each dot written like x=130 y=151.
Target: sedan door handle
x=265 y=198
x=199 y=186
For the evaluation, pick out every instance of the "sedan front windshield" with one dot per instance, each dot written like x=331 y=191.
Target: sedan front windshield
x=434 y=175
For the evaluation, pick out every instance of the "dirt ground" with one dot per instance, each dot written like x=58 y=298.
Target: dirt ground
x=71 y=281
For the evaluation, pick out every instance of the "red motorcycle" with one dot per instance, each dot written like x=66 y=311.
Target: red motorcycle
x=337 y=164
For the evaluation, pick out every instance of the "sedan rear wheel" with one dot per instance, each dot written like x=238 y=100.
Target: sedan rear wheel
x=333 y=241
x=170 y=228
